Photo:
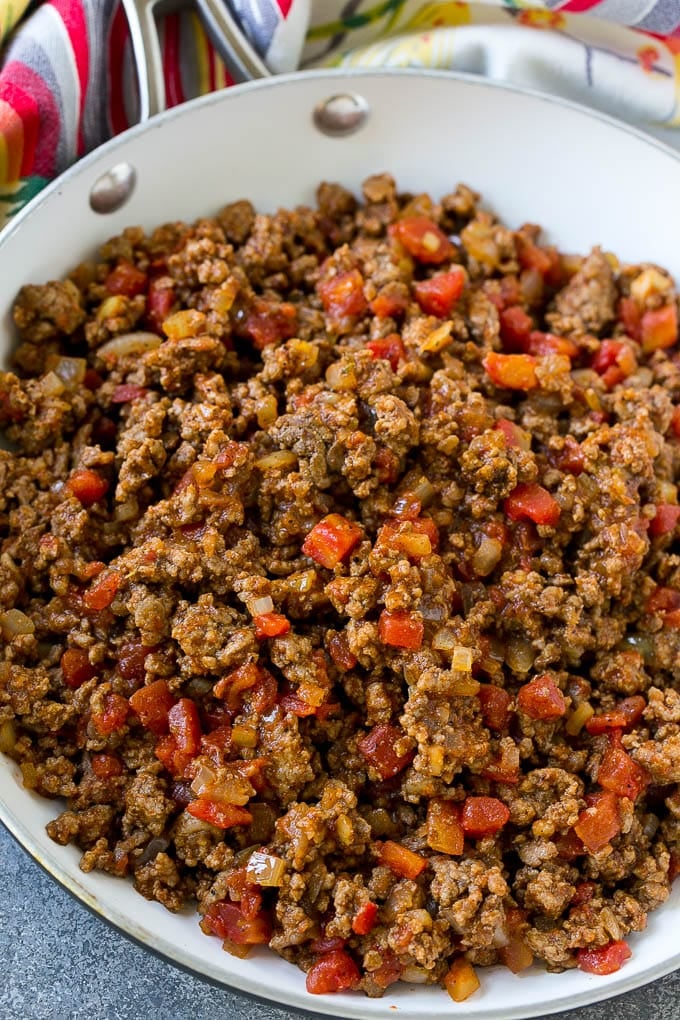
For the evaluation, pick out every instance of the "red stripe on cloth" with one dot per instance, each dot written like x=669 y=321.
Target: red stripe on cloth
x=72 y=14
x=118 y=38
x=284 y=6
x=174 y=93
x=579 y=6
x=27 y=93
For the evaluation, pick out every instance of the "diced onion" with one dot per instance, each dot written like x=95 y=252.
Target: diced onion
x=280 y=460
x=265 y=869
x=14 y=622
x=424 y=491
x=129 y=343
x=306 y=354
x=244 y=736
x=187 y=323
x=341 y=376
x=650 y=282
x=486 y=556
x=462 y=659
x=266 y=411
x=260 y=606
x=345 y=830
x=52 y=385
x=437 y=340
x=8 y=736
x=414 y=975
x=578 y=718
x=204 y=781
x=464 y=686
x=519 y=655
x=71 y=371
x=127 y=511
x=302 y=580
x=444 y=640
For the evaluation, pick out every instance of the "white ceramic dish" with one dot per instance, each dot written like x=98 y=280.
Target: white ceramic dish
x=586 y=177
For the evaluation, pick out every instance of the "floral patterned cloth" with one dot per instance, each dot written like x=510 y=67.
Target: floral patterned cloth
x=67 y=75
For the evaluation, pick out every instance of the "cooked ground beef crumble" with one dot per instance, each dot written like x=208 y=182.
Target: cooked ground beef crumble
x=339 y=583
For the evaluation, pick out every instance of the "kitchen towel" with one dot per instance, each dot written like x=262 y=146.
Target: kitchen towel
x=67 y=79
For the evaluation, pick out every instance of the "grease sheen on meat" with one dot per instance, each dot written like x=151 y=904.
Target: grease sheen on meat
x=340 y=586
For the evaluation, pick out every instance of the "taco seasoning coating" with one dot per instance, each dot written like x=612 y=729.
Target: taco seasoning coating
x=340 y=587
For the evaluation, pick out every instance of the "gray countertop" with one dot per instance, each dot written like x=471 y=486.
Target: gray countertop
x=60 y=962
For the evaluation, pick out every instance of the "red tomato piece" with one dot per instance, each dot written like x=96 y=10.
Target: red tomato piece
x=675 y=422
x=389 y=348
x=333 y=972
x=529 y=501
x=389 y=971
x=331 y=540
x=570 y=458
x=620 y=774
x=270 y=625
x=483 y=816
x=365 y=918
x=515 y=437
x=87 y=486
x=423 y=239
x=401 y=860
x=547 y=343
x=533 y=256
x=270 y=322
x=605 y=960
x=152 y=704
x=584 y=892
x=127 y=392
x=387 y=465
x=132 y=659
x=76 y=668
x=102 y=591
x=400 y=629
x=511 y=371
x=630 y=317
x=541 y=698
x=126 y=279
x=505 y=767
x=659 y=328
x=614 y=361
x=389 y=303
x=665 y=520
x=516 y=327
x=159 y=302
x=112 y=715
x=377 y=747
x=569 y=846
x=327 y=943
x=222 y=816
x=438 y=295
x=599 y=823
x=228 y=921
x=626 y=714
x=342 y=295
x=185 y=726
x=106 y=766
x=667 y=602
x=233 y=684
x=495 y=706
x=342 y=656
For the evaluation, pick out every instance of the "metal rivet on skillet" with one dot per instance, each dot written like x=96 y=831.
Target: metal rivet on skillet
x=112 y=190
x=341 y=115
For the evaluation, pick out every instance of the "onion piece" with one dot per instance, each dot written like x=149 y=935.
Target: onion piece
x=8 y=736
x=260 y=606
x=265 y=869
x=486 y=556
x=13 y=623
x=129 y=343
x=444 y=640
x=71 y=371
x=578 y=718
x=461 y=659
x=51 y=385
x=204 y=781
x=280 y=460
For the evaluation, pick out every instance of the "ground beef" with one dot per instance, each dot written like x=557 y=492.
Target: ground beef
x=342 y=597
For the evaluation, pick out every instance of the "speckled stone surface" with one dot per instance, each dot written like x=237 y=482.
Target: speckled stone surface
x=59 y=962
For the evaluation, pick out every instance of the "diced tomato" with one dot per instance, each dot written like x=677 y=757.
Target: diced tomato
x=217 y=743
x=512 y=371
x=515 y=954
x=342 y=295
x=666 y=601
x=132 y=659
x=219 y=814
x=659 y=328
x=228 y=921
x=529 y=501
x=408 y=537
x=461 y=980
x=106 y=766
x=342 y=656
x=583 y=893
x=483 y=816
x=541 y=344
x=365 y=918
x=400 y=629
x=620 y=774
x=112 y=714
x=444 y=830
x=570 y=458
x=377 y=747
x=532 y=256
x=495 y=706
x=102 y=591
x=269 y=322
x=569 y=846
x=333 y=972
x=269 y=625
x=389 y=303
x=386 y=465
x=438 y=295
x=626 y=714
x=401 y=860
x=87 y=486
x=389 y=348
x=152 y=704
x=504 y=292
x=505 y=767
x=516 y=327
x=327 y=943
x=605 y=960
x=159 y=301
x=665 y=520
x=541 y=698
x=515 y=437
x=76 y=668
x=389 y=971
x=126 y=393
x=423 y=239
x=630 y=317
x=599 y=823
x=231 y=686
x=614 y=361
x=675 y=422
x=185 y=726
x=126 y=279
x=331 y=540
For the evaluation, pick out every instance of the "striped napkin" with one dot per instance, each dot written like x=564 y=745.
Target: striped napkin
x=67 y=75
